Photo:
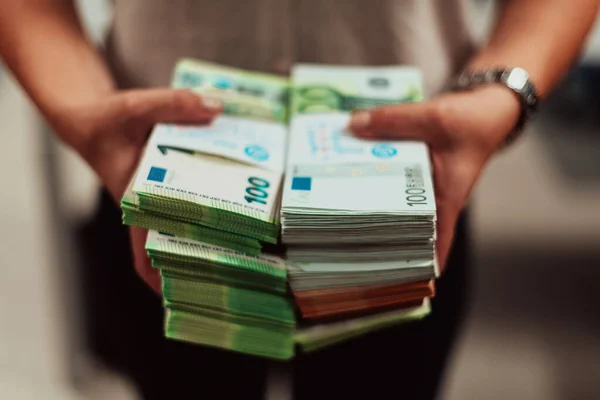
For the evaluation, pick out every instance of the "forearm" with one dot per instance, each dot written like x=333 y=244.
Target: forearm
x=542 y=36
x=43 y=43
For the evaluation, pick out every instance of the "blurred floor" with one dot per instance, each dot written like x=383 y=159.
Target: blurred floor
x=533 y=331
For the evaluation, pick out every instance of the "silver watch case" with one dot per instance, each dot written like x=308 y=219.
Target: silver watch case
x=516 y=79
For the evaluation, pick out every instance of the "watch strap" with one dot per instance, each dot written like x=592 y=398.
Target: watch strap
x=515 y=79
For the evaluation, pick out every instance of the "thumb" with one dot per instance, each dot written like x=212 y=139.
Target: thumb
x=166 y=106
x=410 y=121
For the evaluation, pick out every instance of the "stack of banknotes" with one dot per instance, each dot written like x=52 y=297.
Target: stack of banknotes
x=211 y=199
x=358 y=216
x=219 y=183
x=224 y=298
x=213 y=192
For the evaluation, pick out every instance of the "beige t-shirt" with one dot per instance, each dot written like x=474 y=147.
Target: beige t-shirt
x=148 y=36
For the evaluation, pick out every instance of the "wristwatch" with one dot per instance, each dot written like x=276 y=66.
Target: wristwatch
x=516 y=79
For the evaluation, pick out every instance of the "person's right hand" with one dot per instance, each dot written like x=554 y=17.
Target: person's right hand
x=110 y=135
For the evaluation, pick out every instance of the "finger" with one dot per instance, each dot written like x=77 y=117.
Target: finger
x=141 y=262
x=454 y=179
x=411 y=121
x=168 y=106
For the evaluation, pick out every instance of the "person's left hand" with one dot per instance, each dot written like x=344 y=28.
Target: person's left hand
x=462 y=130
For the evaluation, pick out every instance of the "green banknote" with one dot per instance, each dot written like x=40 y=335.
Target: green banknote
x=190 y=252
x=134 y=216
x=228 y=331
x=318 y=336
x=228 y=298
x=244 y=93
x=325 y=88
x=220 y=297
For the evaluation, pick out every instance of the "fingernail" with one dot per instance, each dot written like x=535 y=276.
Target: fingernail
x=212 y=103
x=360 y=121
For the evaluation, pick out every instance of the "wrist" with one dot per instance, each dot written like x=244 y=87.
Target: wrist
x=492 y=57
x=506 y=107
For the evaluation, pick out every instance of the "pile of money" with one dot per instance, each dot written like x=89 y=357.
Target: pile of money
x=211 y=199
x=358 y=216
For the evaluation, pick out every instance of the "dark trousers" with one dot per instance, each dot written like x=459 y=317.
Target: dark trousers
x=124 y=322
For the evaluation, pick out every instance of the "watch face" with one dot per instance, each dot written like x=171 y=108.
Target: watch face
x=517 y=79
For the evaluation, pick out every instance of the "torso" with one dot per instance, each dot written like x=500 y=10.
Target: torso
x=148 y=36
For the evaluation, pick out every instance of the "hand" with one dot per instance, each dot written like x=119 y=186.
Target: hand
x=110 y=135
x=462 y=131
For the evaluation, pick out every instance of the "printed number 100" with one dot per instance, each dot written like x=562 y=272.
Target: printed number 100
x=256 y=192
x=415 y=197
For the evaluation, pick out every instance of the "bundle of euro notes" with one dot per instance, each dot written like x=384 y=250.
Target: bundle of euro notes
x=218 y=183
x=224 y=298
x=358 y=216
x=211 y=198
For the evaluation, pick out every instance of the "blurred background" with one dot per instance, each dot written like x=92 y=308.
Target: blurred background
x=533 y=330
